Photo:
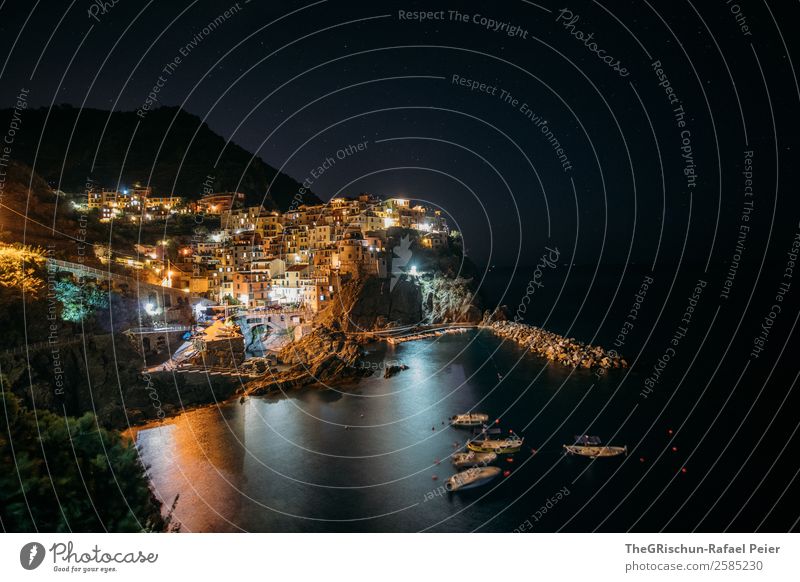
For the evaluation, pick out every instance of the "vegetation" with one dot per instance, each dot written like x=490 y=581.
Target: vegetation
x=59 y=474
x=21 y=269
x=78 y=301
x=231 y=300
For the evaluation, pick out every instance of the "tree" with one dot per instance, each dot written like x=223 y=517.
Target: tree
x=68 y=474
x=78 y=301
x=231 y=300
x=21 y=269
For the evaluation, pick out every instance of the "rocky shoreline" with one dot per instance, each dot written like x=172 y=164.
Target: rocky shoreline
x=324 y=356
x=556 y=348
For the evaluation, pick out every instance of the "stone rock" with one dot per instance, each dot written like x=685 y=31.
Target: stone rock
x=394 y=370
x=546 y=344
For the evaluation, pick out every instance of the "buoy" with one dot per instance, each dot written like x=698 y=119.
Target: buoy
x=510 y=460
x=674 y=449
x=641 y=459
x=683 y=470
x=497 y=421
x=669 y=431
x=434 y=477
x=437 y=461
x=533 y=451
x=506 y=473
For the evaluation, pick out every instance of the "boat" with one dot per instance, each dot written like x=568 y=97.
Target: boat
x=595 y=451
x=484 y=443
x=469 y=419
x=474 y=477
x=473 y=459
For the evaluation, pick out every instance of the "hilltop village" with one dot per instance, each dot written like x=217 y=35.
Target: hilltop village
x=252 y=257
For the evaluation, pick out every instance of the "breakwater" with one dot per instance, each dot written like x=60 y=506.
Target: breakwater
x=556 y=348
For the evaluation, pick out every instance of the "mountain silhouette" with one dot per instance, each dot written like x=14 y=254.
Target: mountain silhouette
x=74 y=137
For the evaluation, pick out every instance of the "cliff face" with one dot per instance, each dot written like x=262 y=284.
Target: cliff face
x=371 y=303
x=323 y=356
x=449 y=300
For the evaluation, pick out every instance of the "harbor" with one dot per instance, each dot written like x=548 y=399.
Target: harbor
x=368 y=456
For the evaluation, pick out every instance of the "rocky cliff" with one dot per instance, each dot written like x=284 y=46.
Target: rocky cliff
x=323 y=356
x=448 y=299
x=371 y=303
x=440 y=289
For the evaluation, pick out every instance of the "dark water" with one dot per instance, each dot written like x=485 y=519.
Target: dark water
x=290 y=463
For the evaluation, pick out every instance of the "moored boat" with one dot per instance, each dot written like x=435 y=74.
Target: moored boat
x=469 y=419
x=484 y=443
x=473 y=459
x=474 y=477
x=595 y=451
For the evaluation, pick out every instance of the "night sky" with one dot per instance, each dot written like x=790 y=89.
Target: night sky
x=296 y=82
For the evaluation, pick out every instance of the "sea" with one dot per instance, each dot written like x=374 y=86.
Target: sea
x=710 y=428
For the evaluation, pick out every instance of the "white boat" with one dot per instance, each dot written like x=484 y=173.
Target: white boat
x=594 y=451
x=469 y=419
x=473 y=459
x=474 y=477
